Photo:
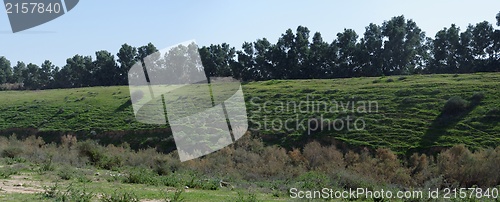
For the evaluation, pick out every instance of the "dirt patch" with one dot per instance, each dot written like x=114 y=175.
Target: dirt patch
x=20 y=184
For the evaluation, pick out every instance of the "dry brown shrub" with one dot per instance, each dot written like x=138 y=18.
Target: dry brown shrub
x=461 y=167
x=68 y=141
x=297 y=158
x=351 y=158
x=323 y=158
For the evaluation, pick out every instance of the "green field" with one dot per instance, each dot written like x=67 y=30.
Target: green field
x=407 y=115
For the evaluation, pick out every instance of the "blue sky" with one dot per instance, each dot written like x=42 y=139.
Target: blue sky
x=105 y=25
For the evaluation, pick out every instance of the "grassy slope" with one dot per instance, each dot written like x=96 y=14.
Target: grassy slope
x=407 y=117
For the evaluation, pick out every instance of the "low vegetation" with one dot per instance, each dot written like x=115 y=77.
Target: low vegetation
x=248 y=165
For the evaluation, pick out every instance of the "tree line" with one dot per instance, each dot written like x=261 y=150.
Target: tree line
x=397 y=47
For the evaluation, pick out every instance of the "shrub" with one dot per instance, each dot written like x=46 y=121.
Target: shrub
x=314 y=180
x=92 y=151
x=70 y=194
x=7 y=172
x=477 y=97
x=177 y=196
x=246 y=197
x=119 y=197
x=455 y=105
x=322 y=158
x=111 y=163
x=463 y=168
x=141 y=176
x=402 y=78
x=12 y=152
x=389 y=80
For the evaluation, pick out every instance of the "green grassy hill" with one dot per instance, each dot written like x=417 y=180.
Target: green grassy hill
x=408 y=114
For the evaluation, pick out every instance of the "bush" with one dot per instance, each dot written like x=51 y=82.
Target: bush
x=314 y=180
x=455 y=105
x=389 y=80
x=92 y=151
x=246 y=197
x=7 y=172
x=177 y=196
x=141 y=176
x=12 y=152
x=477 y=97
x=70 y=194
x=119 y=197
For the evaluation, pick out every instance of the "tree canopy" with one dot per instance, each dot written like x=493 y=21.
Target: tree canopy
x=396 y=47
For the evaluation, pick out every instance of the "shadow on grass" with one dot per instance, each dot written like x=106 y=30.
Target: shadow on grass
x=124 y=106
x=443 y=123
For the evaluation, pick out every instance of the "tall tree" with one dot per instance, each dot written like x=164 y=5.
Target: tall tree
x=318 y=58
x=482 y=45
x=106 y=70
x=370 y=51
x=465 y=56
x=147 y=50
x=81 y=71
x=347 y=50
x=496 y=47
x=302 y=50
x=403 y=48
x=285 y=56
x=246 y=63
x=446 y=50
x=127 y=57
x=32 y=76
x=62 y=78
x=5 y=70
x=263 y=56
x=218 y=60
x=46 y=74
x=18 y=69
x=152 y=64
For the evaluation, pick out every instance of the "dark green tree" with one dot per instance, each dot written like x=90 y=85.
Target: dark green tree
x=482 y=46
x=370 y=51
x=5 y=70
x=319 y=60
x=127 y=57
x=301 y=46
x=18 y=69
x=81 y=71
x=62 y=78
x=31 y=76
x=403 y=49
x=153 y=62
x=46 y=74
x=347 y=65
x=466 y=59
x=106 y=71
x=445 y=51
x=263 y=60
x=285 y=57
x=246 y=63
x=217 y=60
